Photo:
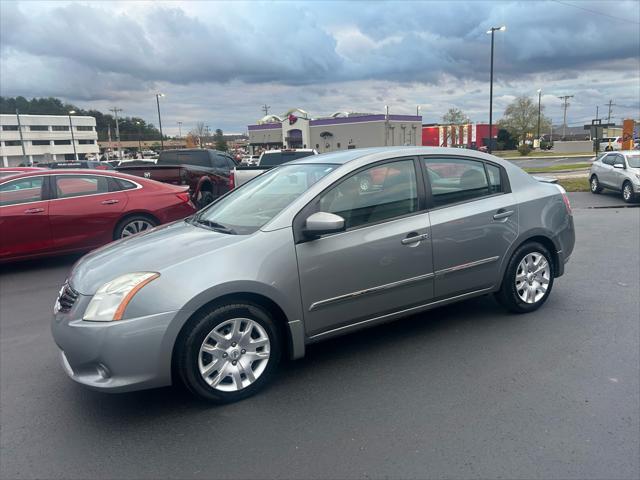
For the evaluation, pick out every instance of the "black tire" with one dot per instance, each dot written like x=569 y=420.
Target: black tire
x=508 y=295
x=206 y=197
x=594 y=184
x=628 y=195
x=126 y=222
x=198 y=329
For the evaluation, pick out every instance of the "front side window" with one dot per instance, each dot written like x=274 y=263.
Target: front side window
x=249 y=207
x=19 y=191
x=78 y=185
x=608 y=159
x=619 y=160
x=456 y=180
x=374 y=195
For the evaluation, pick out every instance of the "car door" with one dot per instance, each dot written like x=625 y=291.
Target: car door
x=380 y=264
x=606 y=175
x=618 y=172
x=474 y=221
x=24 y=217
x=85 y=210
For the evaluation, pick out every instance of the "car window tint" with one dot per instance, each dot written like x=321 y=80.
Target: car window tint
x=21 y=191
x=219 y=161
x=619 y=160
x=495 y=183
x=456 y=180
x=125 y=184
x=168 y=158
x=196 y=158
x=374 y=195
x=608 y=160
x=78 y=185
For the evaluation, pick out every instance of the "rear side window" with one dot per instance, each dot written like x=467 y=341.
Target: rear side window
x=219 y=161
x=19 y=191
x=278 y=158
x=456 y=180
x=124 y=184
x=68 y=186
x=197 y=158
x=168 y=158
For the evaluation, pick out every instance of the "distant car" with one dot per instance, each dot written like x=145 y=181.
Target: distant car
x=619 y=171
x=608 y=144
x=9 y=171
x=302 y=254
x=49 y=212
x=94 y=164
x=269 y=159
x=207 y=173
x=137 y=162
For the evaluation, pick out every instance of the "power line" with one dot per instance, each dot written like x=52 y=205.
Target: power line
x=566 y=104
x=595 y=12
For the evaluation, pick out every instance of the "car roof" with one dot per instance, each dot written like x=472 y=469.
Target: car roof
x=78 y=171
x=345 y=156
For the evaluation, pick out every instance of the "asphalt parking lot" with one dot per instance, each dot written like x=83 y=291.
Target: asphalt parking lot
x=465 y=391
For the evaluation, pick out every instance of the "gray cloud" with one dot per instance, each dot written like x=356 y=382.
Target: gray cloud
x=331 y=55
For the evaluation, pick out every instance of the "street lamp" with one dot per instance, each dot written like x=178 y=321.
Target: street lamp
x=417 y=110
x=73 y=139
x=139 y=138
x=492 y=31
x=539 y=110
x=158 y=95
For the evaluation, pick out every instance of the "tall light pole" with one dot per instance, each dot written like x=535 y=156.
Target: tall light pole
x=565 y=105
x=158 y=95
x=139 y=138
x=115 y=111
x=539 y=111
x=73 y=138
x=179 y=129
x=492 y=31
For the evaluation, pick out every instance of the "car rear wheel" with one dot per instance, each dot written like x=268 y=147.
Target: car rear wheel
x=595 y=185
x=528 y=279
x=133 y=225
x=228 y=353
x=628 y=194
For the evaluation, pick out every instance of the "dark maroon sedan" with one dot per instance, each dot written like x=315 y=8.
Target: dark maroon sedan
x=46 y=212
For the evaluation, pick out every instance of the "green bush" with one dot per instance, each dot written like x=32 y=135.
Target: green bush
x=524 y=149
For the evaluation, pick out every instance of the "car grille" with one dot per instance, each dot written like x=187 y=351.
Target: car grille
x=67 y=298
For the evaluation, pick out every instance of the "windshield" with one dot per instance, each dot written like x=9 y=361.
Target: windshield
x=633 y=161
x=246 y=209
x=278 y=158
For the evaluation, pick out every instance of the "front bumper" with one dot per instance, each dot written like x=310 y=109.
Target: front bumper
x=117 y=356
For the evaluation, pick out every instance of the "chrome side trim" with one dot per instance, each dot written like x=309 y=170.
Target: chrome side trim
x=464 y=266
x=399 y=313
x=367 y=291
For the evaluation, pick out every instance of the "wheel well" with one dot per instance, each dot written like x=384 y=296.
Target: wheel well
x=135 y=214
x=266 y=303
x=549 y=245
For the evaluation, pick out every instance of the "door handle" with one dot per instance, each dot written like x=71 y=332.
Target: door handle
x=34 y=210
x=502 y=214
x=109 y=202
x=414 y=238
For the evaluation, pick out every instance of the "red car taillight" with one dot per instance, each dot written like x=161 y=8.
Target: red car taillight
x=565 y=199
x=184 y=196
x=232 y=181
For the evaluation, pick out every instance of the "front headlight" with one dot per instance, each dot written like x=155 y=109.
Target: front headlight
x=111 y=299
x=638 y=176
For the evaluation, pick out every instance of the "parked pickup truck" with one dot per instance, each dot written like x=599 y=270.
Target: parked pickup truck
x=208 y=173
x=269 y=159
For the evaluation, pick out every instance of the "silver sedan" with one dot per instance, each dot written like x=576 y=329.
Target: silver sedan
x=303 y=253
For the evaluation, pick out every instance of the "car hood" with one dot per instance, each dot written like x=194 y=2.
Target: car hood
x=153 y=251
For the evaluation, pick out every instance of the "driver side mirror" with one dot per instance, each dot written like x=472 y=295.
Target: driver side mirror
x=321 y=223
x=619 y=165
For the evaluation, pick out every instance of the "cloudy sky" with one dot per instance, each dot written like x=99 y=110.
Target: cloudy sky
x=218 y=62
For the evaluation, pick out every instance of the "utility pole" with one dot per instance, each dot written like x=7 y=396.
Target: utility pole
x=491 y=31
x=115 y=111
x=179 y=129
x=265 y=109
x=597 y=107
x=158 y=95
x=24 y=153
x=611 y=104
x=565 y=105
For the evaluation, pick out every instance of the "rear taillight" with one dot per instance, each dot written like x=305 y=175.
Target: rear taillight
x=232 y=181
x=184 y=196
x=565 y=198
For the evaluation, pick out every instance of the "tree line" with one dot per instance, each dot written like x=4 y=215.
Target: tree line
x=131 y=128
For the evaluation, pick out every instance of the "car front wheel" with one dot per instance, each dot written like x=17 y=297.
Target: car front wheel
x=528 y=279
x=228 y=353
x=628 y=194
x=595 y=185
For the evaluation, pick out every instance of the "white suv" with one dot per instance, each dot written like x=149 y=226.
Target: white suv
x=619 y=171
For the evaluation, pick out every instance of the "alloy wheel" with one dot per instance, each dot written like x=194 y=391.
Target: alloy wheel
x=594 y=184
x=234 y=354
x=532 y=277
x=626 y=192
x=135 y=227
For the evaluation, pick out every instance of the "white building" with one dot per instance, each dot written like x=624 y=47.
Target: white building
x=46 y=138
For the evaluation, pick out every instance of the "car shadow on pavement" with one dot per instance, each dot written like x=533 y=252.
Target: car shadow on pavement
x=38 y=264
x=301 y=376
